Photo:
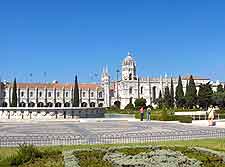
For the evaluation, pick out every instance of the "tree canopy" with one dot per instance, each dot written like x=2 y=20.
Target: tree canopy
x=180 y=101
x=191 y=93
x=76 y=100
x=14 y=94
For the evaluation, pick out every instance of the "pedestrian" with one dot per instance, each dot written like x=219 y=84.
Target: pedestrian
x=142 y=113
x=149 y=113
x=210 y=113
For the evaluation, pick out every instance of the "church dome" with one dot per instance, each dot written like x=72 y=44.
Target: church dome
x=128 y=60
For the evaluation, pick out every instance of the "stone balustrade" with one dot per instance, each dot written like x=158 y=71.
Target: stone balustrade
x=33 y=113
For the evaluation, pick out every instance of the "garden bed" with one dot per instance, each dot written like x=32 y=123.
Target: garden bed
x=146 y=156
x=30 y=156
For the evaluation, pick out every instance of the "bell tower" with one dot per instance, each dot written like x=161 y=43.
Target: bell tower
x=129 y=68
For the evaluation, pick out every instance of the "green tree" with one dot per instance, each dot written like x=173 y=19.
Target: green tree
x=129 y=106
x=76 y=100
x=14 y=94
x=171 y=94
x=117 y=104
x=141 y=102
x=167 y=97
x=205 y=95
x=160 y=100
x=191 y=93
x=218 y=99
x=180 y=101
x=220 y=88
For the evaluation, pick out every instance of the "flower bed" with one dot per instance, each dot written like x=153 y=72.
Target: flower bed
x=146 y=156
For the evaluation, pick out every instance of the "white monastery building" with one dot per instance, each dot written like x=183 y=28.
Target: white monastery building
x=125 y=90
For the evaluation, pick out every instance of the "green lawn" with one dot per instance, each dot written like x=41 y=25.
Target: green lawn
x=214 y=144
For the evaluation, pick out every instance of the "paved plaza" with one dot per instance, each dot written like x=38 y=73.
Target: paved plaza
x=57 y=133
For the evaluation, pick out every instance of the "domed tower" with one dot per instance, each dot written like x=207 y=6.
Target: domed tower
x=129 y=68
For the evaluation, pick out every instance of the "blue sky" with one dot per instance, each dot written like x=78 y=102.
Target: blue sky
x=68 y=37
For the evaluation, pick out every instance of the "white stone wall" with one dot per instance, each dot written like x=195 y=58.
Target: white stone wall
x=35 y=113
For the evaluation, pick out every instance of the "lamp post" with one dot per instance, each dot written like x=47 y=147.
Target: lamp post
x=117 y=77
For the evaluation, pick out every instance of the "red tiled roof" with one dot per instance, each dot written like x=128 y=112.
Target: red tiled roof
x=55 y=85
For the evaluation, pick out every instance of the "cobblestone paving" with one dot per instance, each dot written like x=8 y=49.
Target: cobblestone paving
x=49 y=133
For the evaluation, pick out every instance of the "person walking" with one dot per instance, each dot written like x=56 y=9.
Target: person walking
x=210 y=112
x=142 y=113
x=149 y=113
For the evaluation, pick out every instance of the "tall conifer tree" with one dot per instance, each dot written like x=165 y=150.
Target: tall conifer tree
x=76 y=100
x=14 y=94
x=180 y=101
x=191 y=94
x=171 y=94
x=167 y=97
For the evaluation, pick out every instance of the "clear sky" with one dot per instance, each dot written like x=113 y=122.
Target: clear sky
x=68 y=37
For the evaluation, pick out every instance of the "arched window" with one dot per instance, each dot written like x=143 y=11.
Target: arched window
x=84 y=94
x=40 y=104
x=49 y=94
x=130 y=76
x=92 y=94
x=67 y=94
x=100 y=105
x=58 y=104
x=58 y=94
x=22 y=94
x=49 y=104
x=130 y=90
x=92 y=104
x=22 y=104
x=100 y=94
x=31 y=104
x=67 y=104
x=84 y=104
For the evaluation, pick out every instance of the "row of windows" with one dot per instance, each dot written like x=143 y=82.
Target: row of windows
x=22 y=94
x=92 y=94
x=131 y=90
x=49 y=94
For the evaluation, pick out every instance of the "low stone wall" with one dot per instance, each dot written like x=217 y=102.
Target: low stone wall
x=26 y=113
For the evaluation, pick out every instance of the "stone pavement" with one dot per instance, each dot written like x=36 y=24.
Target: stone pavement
x=68 y=132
